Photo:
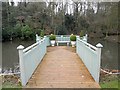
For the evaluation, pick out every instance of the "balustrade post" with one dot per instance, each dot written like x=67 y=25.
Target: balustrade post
x=99 y=46
x=37 y=38
x=86 y=37
x=45 y=43
x=77 y=37
x=21 y=64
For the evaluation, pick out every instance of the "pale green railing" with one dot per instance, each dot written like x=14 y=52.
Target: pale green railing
x=91 y=57
x=30 y=57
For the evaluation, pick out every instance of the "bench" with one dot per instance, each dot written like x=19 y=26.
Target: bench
x=62 y=39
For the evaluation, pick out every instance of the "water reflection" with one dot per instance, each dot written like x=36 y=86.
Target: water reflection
x=10 y=62
x=109 y=53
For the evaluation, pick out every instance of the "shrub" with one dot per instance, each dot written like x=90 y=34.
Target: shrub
x=73 y=37
x=26 y=31
x=42 y=33
x=52 y=37
x=17 y=30
x=82 y=33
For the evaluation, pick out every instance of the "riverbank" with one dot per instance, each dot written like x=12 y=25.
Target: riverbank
x=11 y=81
x=111 y=38
x=109 y=80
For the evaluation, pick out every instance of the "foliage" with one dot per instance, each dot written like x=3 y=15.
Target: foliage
x=82 y=33
x=26 y=31
x=56 y=17
x=52 y=37
x=61 y=30
x=73 y=37
x=84 y=23
x=42 y=33
x=69 y=22
x=17 y=30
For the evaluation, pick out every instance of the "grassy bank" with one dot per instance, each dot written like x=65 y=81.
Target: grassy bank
x=111 y=84
x=10 y=81
x=110 y=81
x=11 y=85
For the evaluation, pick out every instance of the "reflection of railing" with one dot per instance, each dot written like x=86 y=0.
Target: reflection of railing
x=30 y=57
x=91 y=57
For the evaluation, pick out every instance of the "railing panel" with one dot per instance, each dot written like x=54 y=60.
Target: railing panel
x=90 y=56
x=62 y=38
x=47 y=41
x=30 y=59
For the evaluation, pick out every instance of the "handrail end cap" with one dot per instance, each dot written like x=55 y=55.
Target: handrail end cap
x=99 y=45
x=20 y=47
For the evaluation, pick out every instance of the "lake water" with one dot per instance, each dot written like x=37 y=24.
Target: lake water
x=109 y=53
x=10 y=53
x=109 y=57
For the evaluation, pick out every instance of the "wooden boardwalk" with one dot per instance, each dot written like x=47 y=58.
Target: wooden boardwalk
x=61 y=68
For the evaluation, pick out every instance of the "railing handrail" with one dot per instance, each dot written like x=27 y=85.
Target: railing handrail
x=89 y=45
x=33 y=45
x=62 y=38
x=30 y=47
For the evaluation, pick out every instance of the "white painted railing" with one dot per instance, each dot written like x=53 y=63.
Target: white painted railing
x=30 y=58
x=38 y=38
x=60 y=39
x=91 y=57
x=63 y=38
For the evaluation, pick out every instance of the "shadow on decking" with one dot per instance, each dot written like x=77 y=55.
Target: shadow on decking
x=61 y=68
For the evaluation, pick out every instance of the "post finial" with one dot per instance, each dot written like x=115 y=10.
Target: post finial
x=36 y=34
x=99 y=45
x=20 y=47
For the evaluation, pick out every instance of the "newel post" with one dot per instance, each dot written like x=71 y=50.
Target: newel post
x=99 y=46
x=45 y=40
x=37 y=38
x=86 y=36
x=77 y=37
x=21 y=64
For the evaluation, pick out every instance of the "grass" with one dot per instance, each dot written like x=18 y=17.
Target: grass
x=111 y=84
x=9 y=85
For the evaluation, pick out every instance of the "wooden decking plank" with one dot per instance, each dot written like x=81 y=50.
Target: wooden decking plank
x=61 y=68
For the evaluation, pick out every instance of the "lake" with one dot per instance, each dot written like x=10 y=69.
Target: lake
x=10 y=53
x=109 y=57
x=109 y=53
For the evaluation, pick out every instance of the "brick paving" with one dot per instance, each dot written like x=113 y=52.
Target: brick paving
x=61 y=68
